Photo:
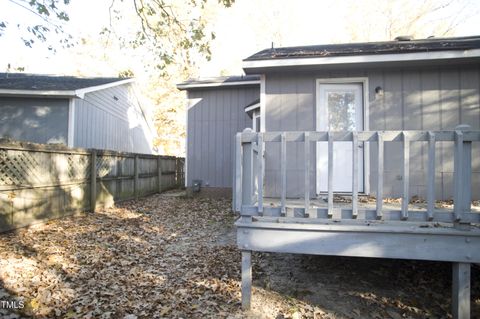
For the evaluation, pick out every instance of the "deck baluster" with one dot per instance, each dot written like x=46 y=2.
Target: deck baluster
x=355 y=174
x=307 y=173
x=431 y=176
x=283 y=169
x=380 y=175
x=260 y=168
x=406 y=175
x=330 y=174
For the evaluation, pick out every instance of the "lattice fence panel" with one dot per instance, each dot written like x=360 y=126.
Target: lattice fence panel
x=28 y=168
x=107 y=165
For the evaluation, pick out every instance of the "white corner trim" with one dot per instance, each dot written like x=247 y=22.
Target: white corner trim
x=71 y=122
x=252 y=107
x=38 y=93
x=185 y=168
x=396 y=57
x=263 y=102
x=81 y=92
x=206 y=85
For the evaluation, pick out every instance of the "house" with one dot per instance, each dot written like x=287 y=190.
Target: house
x=101 y=113
x=427 y=84
x=387 y=119
x=215 y=113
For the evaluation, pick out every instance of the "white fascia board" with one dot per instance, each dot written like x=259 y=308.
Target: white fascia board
x=81 y=92
x=252 y=107
x=205 y=85
x=38 y=93
x=372 y=58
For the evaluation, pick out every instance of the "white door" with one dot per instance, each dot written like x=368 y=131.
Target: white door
x=340 y=108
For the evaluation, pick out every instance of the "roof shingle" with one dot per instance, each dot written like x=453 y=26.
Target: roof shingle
x=38 y=82
x=369 y=48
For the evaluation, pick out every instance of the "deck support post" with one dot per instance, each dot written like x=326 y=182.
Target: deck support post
x=246 y=279
x=461 y=290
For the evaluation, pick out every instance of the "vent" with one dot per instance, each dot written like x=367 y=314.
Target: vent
x=404 y=38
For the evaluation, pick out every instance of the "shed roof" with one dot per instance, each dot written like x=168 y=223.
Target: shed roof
x=235 y=80
x=55 y=85
x=369 y=48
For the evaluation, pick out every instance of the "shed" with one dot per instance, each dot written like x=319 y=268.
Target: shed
x=86 y=112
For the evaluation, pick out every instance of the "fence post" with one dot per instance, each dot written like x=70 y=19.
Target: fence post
x=159 y=172
x=463 y=172
x=135 y=181
x=177 y=172
x=93 y=180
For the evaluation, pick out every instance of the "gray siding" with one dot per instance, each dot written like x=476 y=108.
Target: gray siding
x=213 y=118
x=428 y=98
x=111 y=119
x=38 y=120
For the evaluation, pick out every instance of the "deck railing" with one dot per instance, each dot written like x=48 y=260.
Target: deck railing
x=250 y=147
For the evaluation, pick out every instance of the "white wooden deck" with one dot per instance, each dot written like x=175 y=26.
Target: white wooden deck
x=324 y=226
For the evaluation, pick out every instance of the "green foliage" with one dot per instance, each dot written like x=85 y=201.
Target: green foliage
x=50 y=14
x=172 y=31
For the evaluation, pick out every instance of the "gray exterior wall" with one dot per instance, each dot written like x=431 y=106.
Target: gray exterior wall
x=103 y=122
x=214 y=116
x=39 y=120
x=420 y=98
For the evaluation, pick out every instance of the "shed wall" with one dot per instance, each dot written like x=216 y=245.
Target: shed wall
x=213 y=117
x=428 y=98
x=37 y=120
x=112 y=119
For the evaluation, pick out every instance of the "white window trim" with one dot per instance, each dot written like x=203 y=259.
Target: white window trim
x=255 y=115
x=366 y=126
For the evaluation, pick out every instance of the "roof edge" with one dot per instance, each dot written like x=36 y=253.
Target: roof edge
x=45 y=93
x=357 y=59
x=206 y=85
x=78 y=93
x=81 y=92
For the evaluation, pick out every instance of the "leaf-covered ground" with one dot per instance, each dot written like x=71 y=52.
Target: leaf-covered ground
x=173 y=257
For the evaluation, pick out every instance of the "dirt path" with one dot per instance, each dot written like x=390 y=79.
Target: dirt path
x=172 y=257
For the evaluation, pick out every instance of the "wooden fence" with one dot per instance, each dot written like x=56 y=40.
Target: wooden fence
x=40 y=182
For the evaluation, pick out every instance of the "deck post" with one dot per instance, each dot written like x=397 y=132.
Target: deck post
x=462 y=172
x=461 y=290
x=248 y=176
x=246 y=279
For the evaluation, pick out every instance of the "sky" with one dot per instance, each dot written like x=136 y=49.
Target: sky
x=245 y=28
